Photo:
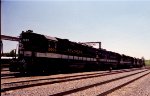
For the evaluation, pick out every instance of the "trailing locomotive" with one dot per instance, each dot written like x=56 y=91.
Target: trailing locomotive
x=40 y=53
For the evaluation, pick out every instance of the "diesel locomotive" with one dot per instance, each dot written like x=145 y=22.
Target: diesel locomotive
x=41 y=53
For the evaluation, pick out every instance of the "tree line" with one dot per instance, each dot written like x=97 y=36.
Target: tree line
x=12 y=53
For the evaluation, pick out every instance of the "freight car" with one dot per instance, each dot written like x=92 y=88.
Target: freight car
x=40 y=53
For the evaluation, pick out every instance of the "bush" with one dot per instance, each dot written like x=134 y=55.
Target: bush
x=147 y=62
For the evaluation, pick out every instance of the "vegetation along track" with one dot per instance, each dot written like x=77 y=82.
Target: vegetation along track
x=31 y=83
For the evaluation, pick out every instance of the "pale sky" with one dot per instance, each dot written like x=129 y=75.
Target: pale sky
x=122 y=26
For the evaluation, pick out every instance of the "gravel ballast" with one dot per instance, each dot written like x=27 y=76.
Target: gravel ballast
x=140 y=87
x=55 y=88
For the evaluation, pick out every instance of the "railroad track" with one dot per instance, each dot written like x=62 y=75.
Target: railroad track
x=5 y=74
x=111 y=77
x=38 y=78
x=103 y=85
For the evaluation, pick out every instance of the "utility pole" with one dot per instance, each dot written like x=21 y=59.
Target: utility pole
x=0 y=36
